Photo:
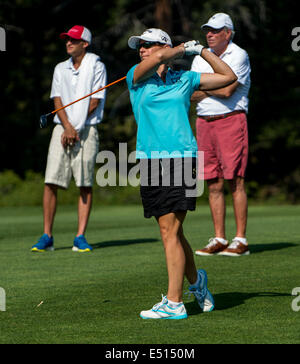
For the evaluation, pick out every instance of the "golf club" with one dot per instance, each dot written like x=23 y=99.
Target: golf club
x=43 y=118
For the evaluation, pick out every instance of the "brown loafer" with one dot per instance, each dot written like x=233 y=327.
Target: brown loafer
x=236 y=249
x=212 y=248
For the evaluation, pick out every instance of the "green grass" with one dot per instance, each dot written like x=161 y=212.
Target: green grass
x=97 y=297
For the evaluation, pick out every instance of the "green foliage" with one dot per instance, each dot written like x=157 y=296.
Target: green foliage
x=28 y=191
x=17 y=192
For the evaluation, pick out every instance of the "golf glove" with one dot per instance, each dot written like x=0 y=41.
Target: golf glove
x=193 y=47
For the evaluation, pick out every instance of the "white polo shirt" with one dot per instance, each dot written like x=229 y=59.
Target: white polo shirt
x=68 y=85
x=237 y=58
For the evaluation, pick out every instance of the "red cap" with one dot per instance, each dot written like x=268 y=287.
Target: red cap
x=78 y=32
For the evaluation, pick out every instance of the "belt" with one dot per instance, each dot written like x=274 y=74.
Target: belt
x=221 y=116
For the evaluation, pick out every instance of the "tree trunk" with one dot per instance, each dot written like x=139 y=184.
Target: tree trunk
x=163 y=15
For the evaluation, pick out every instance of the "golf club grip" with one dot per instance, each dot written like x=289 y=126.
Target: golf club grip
x=92 y=93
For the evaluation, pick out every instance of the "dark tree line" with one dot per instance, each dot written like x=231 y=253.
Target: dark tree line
x=263 y=28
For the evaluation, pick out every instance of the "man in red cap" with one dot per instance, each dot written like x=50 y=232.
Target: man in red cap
x=78 y=32
x=74 y=144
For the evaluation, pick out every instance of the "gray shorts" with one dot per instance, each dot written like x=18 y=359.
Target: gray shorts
x=78 y=160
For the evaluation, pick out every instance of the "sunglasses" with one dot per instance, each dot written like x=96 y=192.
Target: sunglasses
x=212 y=30
x=148 y=45
x=72 y=40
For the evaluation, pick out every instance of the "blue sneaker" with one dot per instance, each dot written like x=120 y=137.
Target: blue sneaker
x=201 y=292
x=45 y=243
x=81 y=245
x=163 y=311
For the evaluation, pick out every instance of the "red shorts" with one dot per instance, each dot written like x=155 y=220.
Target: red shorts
x=225 y=146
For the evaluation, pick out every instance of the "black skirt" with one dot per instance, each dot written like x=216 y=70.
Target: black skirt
x=168 y=185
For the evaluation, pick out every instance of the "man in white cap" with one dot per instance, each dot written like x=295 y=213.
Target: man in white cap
x=74 y=144
x=222 y=134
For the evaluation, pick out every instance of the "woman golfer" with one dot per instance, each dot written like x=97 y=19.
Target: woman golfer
x=166 y=148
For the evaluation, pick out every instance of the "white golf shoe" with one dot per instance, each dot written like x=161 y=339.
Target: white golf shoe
x=163 y=311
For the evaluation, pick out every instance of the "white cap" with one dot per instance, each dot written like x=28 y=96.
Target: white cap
x=150 y=35
x=218 y=21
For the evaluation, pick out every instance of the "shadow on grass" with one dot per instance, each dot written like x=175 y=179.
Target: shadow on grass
x=259 y=248
x=254 y=248
x=112 y=243
x=225 y=301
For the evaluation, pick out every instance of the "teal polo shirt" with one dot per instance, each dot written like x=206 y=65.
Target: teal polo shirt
x=161 y=111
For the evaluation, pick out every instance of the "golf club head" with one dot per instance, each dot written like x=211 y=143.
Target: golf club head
x=43 y=120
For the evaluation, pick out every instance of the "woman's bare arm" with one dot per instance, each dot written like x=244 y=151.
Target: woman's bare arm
x=150 y=65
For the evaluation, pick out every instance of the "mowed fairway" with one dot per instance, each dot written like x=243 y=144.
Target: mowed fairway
x=67 y=297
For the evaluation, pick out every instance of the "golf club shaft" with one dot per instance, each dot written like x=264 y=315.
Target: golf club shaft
x=92 y=93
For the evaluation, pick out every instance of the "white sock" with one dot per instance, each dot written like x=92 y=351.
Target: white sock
x=242 y=240
x=221 y=240
x=173 y=304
